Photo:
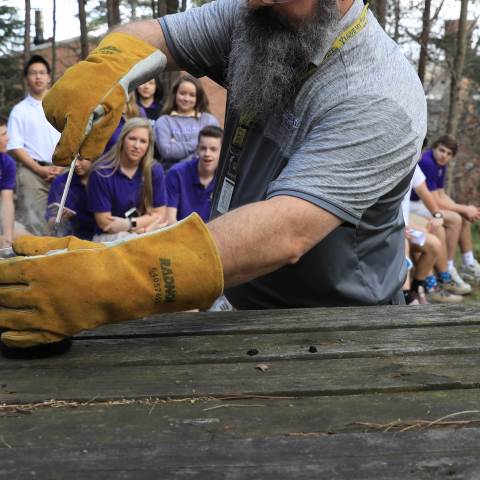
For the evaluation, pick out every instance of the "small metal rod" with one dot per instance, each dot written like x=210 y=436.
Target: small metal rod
x=65 y=192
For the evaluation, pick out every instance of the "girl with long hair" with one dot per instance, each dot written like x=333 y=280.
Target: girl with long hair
x=184 y=115
x=126 y=187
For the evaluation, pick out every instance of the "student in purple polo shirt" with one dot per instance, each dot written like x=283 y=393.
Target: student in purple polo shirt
x=9 y=228
x=149 y=97
x=185 y=114
x=458 y=218
x=77 y=218
x=190 y=184
x=126 y=188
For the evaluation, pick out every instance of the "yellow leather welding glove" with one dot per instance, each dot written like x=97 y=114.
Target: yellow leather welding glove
x=86 y=103
x=30 y=245
x=62 y=293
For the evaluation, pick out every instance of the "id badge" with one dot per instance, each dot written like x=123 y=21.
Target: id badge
x=225 y=196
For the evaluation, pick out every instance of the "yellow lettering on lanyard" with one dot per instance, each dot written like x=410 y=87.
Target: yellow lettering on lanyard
x=348 y=34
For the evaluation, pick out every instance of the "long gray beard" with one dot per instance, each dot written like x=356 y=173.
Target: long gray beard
x=269 y=57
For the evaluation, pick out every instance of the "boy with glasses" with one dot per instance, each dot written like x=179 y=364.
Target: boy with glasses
x=32 y=142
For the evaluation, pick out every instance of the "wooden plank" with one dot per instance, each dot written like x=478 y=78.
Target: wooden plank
x=296 y=320
x=298 y=378
x=271 y=347
x=441 y=454
x=57 y=426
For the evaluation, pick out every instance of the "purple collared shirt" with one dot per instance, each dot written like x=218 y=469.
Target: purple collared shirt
x=82 y=224
x=117 y=193
x=185 y=191
x=8 y=172
x=434 y=173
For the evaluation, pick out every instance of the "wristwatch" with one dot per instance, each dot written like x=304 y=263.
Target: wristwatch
x=438 y=215
x=134 y=222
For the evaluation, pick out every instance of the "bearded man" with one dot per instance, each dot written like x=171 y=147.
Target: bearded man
x=324 y=125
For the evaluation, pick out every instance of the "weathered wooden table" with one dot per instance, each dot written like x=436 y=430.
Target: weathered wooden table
x=353 y=393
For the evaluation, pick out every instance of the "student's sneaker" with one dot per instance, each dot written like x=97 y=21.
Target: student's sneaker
x=456 y=284
x=440 y=295
x=471 y=273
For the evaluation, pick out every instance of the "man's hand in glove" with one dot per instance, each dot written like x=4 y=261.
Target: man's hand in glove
x=81 y=285
x=91 y=95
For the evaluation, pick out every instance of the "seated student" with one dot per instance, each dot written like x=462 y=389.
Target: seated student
x=184 y=115
x=458 y=217
x=149 y=96
x=131 y=110
x=190 y=184
x=76 y=218
x=428 y=247
x=126 y=187
x=9 y=228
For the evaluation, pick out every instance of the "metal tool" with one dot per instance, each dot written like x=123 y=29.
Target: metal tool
x=65 y=194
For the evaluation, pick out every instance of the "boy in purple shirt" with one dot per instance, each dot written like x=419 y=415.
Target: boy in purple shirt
x=190 y=184
x=458 y=218
x=77 y=217
x=9 y=228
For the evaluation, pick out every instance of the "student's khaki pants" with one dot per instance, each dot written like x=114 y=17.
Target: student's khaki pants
x=31 y=200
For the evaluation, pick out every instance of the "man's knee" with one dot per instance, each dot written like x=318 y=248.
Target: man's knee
x=451 y=219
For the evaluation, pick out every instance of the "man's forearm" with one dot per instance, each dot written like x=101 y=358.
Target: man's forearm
x=8 y=217
x=22 y=156
x=427 y=198
x=150 y=32
x=446 y=203
x=261 y=237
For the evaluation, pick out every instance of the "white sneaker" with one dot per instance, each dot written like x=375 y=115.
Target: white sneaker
x=471 y=273
x=440 y=295
x=457 y=284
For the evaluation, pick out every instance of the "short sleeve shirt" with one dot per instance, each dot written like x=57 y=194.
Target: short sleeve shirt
x=82 y=224
x=7 y=172
x=113 y=191
x=347 y=143
x=28 y=128
x=417 y=179
x=434 y=173
x=186 y=193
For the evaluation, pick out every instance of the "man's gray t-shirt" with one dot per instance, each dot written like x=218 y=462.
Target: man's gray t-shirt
x=348 y=144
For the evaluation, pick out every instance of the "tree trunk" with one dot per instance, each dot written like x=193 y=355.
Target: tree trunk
x=54 y=42
x=457 y=71
x=455 y=84
x=26 y=37
x=133 y=9
x=424 y=39
x=397 y=12
x=113 y=13
x=380 y=9
x=162 y=8
x=172 y=6
x=82 y=17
